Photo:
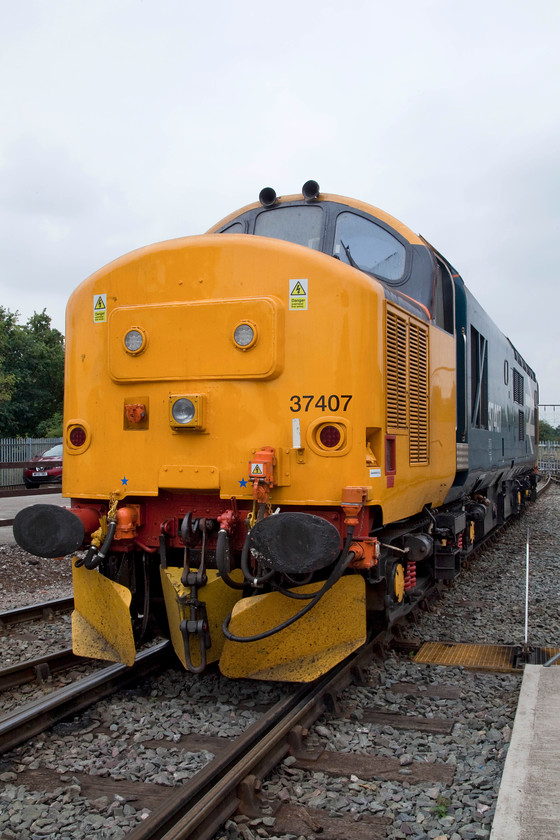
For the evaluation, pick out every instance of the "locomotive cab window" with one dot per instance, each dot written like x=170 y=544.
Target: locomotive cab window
x=369 y=247
x=442 y=308
x=300 y=224
x=479 y=379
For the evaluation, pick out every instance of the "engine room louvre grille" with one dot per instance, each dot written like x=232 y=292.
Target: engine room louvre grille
x=521 y=425
x=395 y=368
x=418 y=393
x=518 y=388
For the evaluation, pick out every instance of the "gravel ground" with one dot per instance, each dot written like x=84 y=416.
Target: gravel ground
x=486 y=604
x=115 y=739
x=25 y=579
x=476 y=751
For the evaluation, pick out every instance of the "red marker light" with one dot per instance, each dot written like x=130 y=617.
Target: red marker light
x=329 y=437
x=77 y=436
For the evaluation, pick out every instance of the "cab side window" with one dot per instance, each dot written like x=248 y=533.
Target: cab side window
x=442 y=308
x=369 y=247
x=479 y=379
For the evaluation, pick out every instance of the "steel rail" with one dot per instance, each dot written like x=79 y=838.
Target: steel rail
x=40 y=669
x=44 y=611
x=199 y=807
x=548 y=481
x=35 y=717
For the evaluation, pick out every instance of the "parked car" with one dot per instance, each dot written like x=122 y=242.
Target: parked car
x=45 y=468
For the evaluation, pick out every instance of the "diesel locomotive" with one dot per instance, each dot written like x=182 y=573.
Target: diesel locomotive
x=277 y=435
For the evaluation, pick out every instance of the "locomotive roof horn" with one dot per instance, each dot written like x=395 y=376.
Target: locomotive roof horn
x=267 y=196
x=310 y=190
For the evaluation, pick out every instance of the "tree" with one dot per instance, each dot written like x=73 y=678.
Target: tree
x=548 y=432
x=7 y=380
x=31 y=376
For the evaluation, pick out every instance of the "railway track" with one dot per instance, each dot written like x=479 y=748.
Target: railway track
x=39 y=669
x=399 y=757
x=44 y=611
x=256 y=778
x=35 y=717
x=230 y=783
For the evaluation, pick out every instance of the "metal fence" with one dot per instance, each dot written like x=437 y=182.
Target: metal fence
x=549 y=457
x=17 y=450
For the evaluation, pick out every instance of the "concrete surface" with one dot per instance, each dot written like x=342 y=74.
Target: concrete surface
x=529 y=799
x=9 y=507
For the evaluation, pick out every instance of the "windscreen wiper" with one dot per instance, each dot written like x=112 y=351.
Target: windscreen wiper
x=349 y=255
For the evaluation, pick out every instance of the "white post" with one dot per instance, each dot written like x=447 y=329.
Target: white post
x=527 y=591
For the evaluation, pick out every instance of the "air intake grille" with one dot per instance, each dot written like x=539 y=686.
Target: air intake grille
x=418 y=393
x=396 y=363
x=518 y=387
x=406 y=367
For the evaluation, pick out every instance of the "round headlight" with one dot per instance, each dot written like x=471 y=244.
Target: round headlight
x=244 y=335
x=134 y=340
x=183 y=411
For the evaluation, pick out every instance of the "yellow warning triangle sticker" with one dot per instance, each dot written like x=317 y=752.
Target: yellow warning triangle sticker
x=99 y=304
x=256 y=470
x=298 y=289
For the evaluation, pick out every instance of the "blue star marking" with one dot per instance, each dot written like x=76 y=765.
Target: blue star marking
x=124 y=480
x=242 y=483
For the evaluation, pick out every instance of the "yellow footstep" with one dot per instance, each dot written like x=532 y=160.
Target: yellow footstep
x=101 y=623
x=305 y=650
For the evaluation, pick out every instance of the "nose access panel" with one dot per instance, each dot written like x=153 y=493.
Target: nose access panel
x=194 y=340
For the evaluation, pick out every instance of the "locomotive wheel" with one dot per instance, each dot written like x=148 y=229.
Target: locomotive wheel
x=396 y=583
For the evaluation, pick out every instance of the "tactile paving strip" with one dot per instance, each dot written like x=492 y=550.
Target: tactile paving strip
x=491 y=657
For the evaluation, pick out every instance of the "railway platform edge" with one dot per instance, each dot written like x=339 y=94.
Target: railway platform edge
x=529 y=798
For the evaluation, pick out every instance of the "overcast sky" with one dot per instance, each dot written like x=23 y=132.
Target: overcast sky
x=125 y=122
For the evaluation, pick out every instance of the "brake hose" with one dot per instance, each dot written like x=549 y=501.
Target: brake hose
x=221 y=559
x=247 y=573
x=93 y=557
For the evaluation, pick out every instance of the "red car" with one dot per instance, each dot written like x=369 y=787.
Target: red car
x=45 y=468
